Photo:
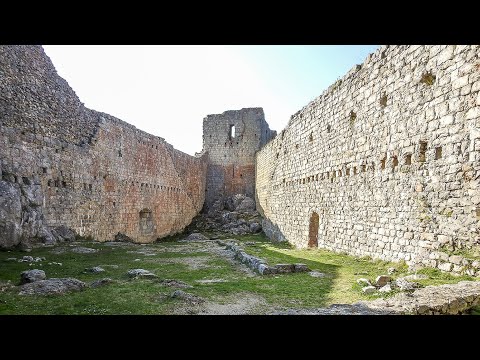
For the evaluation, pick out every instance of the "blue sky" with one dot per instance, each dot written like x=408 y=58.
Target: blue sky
x=168 y=90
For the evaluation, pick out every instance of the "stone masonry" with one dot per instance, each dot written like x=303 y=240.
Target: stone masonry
x=231 y=140
x=385 y=163
x=63 y=165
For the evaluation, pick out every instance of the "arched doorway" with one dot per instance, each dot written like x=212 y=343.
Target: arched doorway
x=313 y=231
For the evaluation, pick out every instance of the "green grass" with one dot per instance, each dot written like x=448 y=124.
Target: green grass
x=173 y=260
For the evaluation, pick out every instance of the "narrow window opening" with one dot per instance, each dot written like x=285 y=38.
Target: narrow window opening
x=354 y=170
x=395 y=162
x=44 y=170
x=329 y=128
x=348 y=172
x=90 y=187
x=423 y=150
x=382 y=162
x=311 y=137
x=232 y=131
x=364 y=168
x=438 y=153
x=120 y=152
x=408 y=159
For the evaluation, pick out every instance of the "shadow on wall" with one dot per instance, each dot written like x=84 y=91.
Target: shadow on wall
x=272 y=231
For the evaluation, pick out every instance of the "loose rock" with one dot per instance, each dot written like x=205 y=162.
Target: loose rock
x=136 y=273
x=94 y=270
x=382 y=280
x=196 y=237
x=30 y=276
x=175 y=283
x=300 y=268
x=101 y=282
x=52 y=287
x=316 y=274
x=193 y=299
x=369 y=289
x=385 y=289
x=83 y=250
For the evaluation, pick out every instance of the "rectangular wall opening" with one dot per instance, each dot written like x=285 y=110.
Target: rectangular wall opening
x=232 y=132
x=423 y=151
x=408 y=159
x=438 y=153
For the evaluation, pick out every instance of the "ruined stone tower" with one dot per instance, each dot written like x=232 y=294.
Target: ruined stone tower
x=231 y=140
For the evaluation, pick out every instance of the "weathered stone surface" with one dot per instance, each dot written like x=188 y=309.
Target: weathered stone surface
x=27 y=258
x=190 y=298
x=120 y=237
x=364 y=282
x=284 y=268
x=196 y=237
x=175 y=283
x=30 y=276
x=382 y=280
x=385 y=289
x=300 y=268
x=95 y=270
x=83 y=250
x=369 y=289
x=405 y=285
x=255 y=227
x=21 y=217
x=63 y=233
x=444 y=299
x=101 y=282
x=396 y=188
x=456 y=259
x=247 y=204
x=445 y=267
x=316 y=274
x=231 y=157
x=391 y=270
x=65 y=161
x=142 y=273
x=52 y=287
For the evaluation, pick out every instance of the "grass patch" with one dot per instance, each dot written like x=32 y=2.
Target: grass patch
x=149 y=296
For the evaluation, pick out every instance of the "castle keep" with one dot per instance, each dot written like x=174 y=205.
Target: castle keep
x=385 y=163
x=231 y=140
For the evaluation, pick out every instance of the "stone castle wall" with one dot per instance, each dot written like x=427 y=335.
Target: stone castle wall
x=231 y=159
x=90 y=171
x=385 y=163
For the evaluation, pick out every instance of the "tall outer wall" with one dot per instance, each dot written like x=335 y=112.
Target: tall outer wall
x=91 y=171
x=231 y=160
x=328 y=160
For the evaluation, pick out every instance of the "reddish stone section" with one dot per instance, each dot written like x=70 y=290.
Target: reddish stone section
x=88 y=171
x=231 y=140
